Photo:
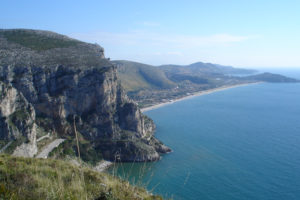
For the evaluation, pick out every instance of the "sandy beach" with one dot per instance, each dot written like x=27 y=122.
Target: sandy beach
x=204 y=92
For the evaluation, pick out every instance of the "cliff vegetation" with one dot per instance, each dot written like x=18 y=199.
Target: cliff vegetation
x=29 y=178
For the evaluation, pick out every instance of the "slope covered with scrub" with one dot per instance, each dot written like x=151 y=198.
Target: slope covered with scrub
x=138 y=76
x=29 y=178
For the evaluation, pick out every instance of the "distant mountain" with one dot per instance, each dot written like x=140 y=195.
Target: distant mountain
x=138 y=76
x=201 y=73
x=273 y=78
x=200 y=68
x=149 y=85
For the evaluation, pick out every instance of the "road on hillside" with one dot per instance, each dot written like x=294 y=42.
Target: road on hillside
x=49 y=148
x=5 y=147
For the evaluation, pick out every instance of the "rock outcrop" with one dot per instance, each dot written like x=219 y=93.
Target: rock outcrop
x=70 y=84
x=17 y=121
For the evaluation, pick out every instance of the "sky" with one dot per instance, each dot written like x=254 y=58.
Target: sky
x=242 y=33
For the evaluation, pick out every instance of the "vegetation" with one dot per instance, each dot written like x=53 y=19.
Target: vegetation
x=14 y=144
x=200 y=68
x=273 y=78
x=36 y=41
x=60 y=50
x=137 y=76
x=29 y=178
x=149 y=85
x=88 y=153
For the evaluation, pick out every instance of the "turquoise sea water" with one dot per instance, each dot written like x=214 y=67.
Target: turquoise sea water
x=241 y=143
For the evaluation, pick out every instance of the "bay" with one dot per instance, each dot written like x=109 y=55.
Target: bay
x=241 y=143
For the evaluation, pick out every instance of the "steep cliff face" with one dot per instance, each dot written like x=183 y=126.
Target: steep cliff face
x=71 y=84
x=17 y=121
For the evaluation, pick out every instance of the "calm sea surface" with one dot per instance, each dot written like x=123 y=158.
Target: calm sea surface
x=241 y=143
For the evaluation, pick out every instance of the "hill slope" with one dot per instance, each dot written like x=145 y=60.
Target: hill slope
x=200 y=68
x=137 y=76
x=272 y=78
x=28 y=178
x=149 y=85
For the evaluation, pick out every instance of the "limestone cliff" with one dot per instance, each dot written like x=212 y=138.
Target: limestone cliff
x=70 y=83
x=17 y=121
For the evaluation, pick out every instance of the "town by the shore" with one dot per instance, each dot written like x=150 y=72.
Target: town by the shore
x=203 y=92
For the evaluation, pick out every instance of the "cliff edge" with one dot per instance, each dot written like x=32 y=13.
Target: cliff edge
x=54 y=84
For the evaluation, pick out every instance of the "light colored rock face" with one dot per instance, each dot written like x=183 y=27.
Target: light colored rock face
x=67 y=85
x=17 y=120
x=7 y=104
x=92 y=94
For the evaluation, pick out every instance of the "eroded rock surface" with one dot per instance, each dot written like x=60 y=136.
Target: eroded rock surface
x=71 y=86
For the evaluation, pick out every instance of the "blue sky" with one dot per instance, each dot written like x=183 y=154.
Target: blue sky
x=244 y=33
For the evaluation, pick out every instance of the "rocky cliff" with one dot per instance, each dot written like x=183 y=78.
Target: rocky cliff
x=61 y=84
x=17 y=121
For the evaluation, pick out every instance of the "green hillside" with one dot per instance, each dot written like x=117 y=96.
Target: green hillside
x=137 y=76
x=149 y=85
x=29 y=178
x=35 y=40
x=272 y=78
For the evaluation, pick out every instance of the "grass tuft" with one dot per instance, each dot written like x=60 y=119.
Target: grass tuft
x=29 y=178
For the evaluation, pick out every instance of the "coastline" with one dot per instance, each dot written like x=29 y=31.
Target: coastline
x=204 y=92
x=102 y=166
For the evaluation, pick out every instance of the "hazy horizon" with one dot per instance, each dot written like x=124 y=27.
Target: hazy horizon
x=249 y=67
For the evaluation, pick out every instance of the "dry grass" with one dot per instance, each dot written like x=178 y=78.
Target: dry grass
x=29 y=178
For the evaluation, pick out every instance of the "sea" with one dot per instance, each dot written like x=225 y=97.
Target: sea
x=241 y=143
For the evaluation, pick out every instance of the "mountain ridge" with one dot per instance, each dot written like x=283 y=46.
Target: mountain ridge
x=184 y=79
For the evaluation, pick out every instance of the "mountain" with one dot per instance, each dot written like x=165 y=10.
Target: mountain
x=201 y=73
x=149 y=85
x=53 y=84
x=200 y=68
x=272 y=78
x=138 y=76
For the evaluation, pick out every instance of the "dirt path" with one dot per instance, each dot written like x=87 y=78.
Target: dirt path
x=5 y=147
x=49 y=148
x=43 y=137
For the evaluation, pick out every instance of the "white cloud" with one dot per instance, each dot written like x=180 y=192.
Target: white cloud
x=172 y=53
x=150 y=39
x=156 y=48
x=150 y=24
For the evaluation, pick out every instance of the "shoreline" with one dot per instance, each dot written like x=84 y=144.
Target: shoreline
x=102 y=166
x=204 y=92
